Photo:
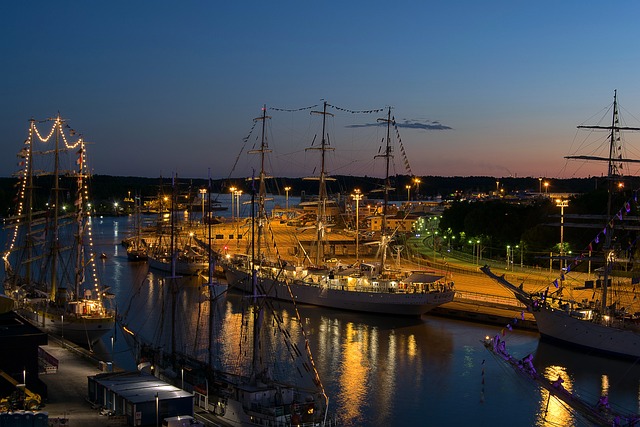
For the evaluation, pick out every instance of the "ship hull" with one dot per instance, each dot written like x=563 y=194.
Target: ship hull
x=404 y=304
x=182 y=268
x=81 y=330
x=558 y=325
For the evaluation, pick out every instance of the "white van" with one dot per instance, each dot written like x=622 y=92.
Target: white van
x=181 y=421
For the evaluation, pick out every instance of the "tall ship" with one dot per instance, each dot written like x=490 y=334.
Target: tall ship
x=603 y=323
x=365 y=286
x=49 y=260
x=175 y=248
x=254 y=369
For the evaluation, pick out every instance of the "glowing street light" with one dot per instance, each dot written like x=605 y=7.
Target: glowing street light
x=286 y=192
x=357 y=197
x=562 y=204
x=233 y=193
x=546 y=187
x=203 y=192
x=408 y=187
x=237 y=193
x=417 y=183
x=540 y=180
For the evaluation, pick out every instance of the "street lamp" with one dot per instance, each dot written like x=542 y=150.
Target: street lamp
x=357 y=197
x=540 y=180
x=233 y=202
x=237 y=194
x=286 y=192
x=508 y=250
x=408 y=187
x=417 y=182
x=546 y=187
x=62 y=317
x=562 y=204
x=203 y=192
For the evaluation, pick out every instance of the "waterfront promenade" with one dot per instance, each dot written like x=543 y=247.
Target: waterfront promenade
x=67 y=403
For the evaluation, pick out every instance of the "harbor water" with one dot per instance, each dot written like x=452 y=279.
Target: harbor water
x=379 y=370
x=392 y=371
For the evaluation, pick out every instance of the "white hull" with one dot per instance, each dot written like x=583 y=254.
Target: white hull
x=558 y=325
x=397 y=303
x=182 y=268
x=81 y=330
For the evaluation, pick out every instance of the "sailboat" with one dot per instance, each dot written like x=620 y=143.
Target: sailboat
x=599 y=325
x=137 y=250
x=49 y=261
x=367 y=287
x=176 y=248
x=266 y=384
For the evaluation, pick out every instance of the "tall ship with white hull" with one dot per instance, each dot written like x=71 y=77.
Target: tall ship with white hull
x=368 y=287
x=49 y=260
x=604 y=323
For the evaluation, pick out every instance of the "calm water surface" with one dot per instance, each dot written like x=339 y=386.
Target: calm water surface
x=387 y=371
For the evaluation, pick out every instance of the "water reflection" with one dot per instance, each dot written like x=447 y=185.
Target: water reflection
x=377 y=370
x=591 y=376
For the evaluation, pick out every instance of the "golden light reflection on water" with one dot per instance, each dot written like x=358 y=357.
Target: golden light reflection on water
x=354 y=371
x=554 y=412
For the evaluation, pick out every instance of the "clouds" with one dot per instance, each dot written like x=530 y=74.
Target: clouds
x=408 y=124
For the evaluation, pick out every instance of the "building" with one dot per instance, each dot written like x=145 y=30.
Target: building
x=142 y=398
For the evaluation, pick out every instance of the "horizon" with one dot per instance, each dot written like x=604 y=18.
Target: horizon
x=493 y=89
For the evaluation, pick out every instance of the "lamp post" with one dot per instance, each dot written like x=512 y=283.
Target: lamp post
x=233 y=202
x=540 y=181
x=286 y=192
x=357 y=197
x=562 y=204
x=237 y=193
x=508 y=250
x=182 y=377
x=408 y=187
x=112 y=340
x=203 y=192
x=62 y=317
x=417 y=183
x=157 y=411
x=546 y=187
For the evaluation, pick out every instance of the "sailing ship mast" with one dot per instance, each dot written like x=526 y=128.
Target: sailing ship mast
x=387 y=186
x=322 y=192
x=615 y=162
x=262 y=189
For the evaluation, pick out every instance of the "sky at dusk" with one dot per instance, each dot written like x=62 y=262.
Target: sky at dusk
x=491 y=88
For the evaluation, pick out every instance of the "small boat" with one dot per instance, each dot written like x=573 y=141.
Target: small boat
x=50 y=260
x=368 y=287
